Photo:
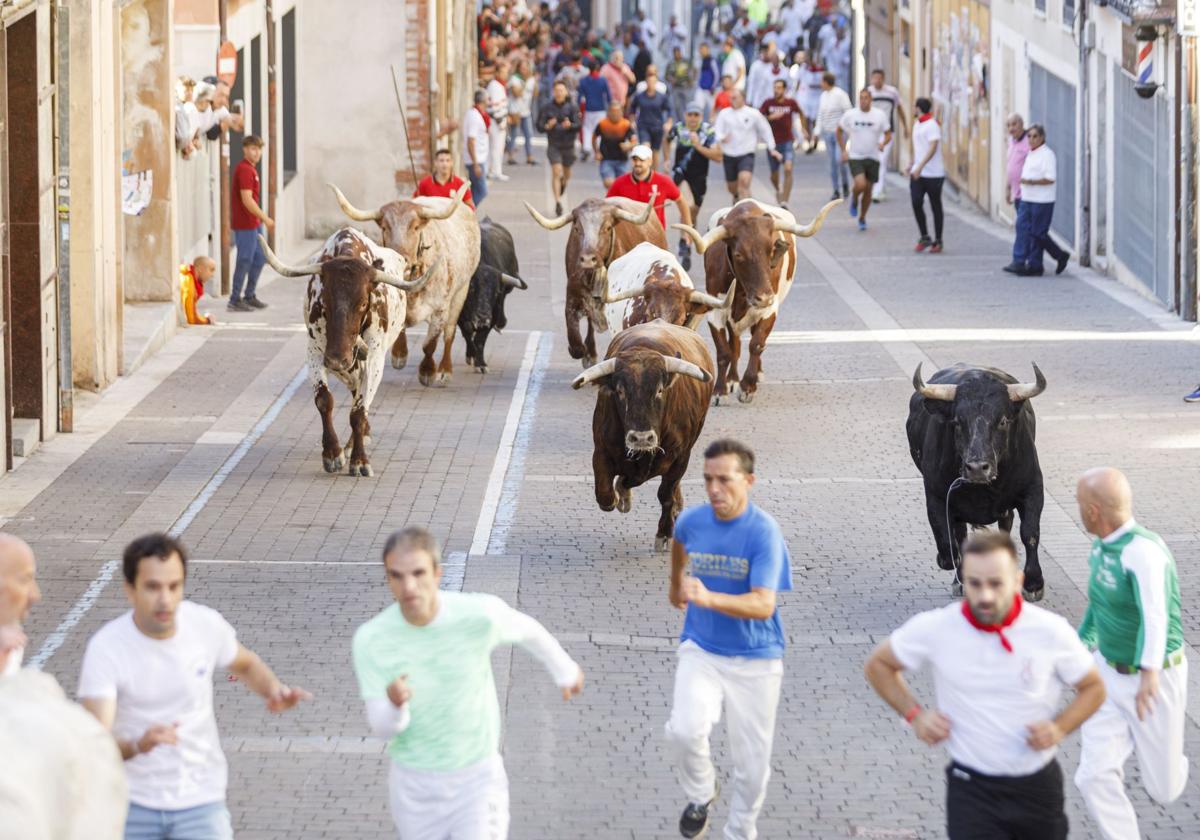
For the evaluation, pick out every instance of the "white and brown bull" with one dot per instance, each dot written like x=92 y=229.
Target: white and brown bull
x=602 y=229
x=424 y=230
x=355 y=308
x=754 y=244
x=649 y=283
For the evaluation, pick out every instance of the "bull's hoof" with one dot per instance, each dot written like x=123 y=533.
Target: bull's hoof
x=662 y=544
x=360 y=469
x=333 y=465
x=745 y=396
x=945 y=563
x=425 y=379
x=716 y=398
x=956 y=589
x=442 y=379
x=1034 y=595
x=624 y=496
x=398 y=362
x=481 y=369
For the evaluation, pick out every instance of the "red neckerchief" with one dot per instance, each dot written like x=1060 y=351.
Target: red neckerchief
x=998 y=629
x=487 y=120
x=189 y=271
x=925 y=117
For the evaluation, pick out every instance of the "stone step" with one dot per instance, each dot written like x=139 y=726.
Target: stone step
x=26 y=434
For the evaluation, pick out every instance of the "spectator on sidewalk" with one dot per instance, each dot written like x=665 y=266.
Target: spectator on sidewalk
x=886 y=98
x=522 y=91
x=497 y=108
x=442 y=182
x=475 y=147
x=782 y=114
x=832 y=106
x=863 y=133
x=1018 y=150
x=147 y=676
x=248 y=220
x=709 y=81
x=619 y=76
x=927 y=175
x=1039 y=175
x=559 y=121
x=614 y=139
x=594 y=97
x=739 y=129
x=192 y=277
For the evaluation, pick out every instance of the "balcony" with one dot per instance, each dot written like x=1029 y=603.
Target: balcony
x=1140 y=11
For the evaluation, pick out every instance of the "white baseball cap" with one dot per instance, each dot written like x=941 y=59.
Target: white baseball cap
x=641 y=152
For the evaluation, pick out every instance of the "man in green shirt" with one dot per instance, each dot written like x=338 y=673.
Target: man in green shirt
x=1133 y=623
x=425 y=673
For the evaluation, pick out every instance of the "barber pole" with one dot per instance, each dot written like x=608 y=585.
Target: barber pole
x=1146 y=80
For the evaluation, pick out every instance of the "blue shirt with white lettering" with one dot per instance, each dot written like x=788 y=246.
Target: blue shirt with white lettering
x=734 y=557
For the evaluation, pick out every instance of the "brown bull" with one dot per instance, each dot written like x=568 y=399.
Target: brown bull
x=755 y=244
x=602 y=229
x=654 y=387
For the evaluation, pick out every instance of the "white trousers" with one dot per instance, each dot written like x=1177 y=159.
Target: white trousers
x=591 y=119
x=749 y=691
x=877 y=187
x=1114 y=731
x=497 y=134
x=466 y=804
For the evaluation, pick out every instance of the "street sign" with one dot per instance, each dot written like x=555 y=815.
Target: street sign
x=1187 y=17
x=227 y=63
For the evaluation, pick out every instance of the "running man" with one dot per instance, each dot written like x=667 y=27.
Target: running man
x=862 y=135
x=643 y=182
x=739 y=130
x=731 y=647
x=695 y=146
x=613 y=140
x=782 y=113
x=425 y=673
x=559 y=121
x=147 y=676
x=443 y=183
x=1133 y=623
x=999 y=666
x=885 y=98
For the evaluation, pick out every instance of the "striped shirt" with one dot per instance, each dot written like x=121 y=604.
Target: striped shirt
x=834 y=103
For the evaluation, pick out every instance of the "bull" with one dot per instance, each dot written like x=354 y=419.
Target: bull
x=602 y=229
x=755 y=244
x=649 y=283
x=423 y=230
x=654 y=387
x=496 y=276
x=971 y=433
x=357 y=297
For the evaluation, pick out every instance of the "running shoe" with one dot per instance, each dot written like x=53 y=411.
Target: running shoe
x=922 y=244
x=936 y=249
x=853 y=207
x=1013 y=268
x=694 y=820
x=836 y=195
x=1193 y=397
x=558 y=208
x=862 y=224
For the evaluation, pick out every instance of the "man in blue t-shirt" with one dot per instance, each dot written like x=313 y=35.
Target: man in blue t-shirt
x=731 y=651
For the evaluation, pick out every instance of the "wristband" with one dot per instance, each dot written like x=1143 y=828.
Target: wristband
x=912 y=713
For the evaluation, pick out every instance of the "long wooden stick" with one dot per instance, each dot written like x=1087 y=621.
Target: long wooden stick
x=404 y=122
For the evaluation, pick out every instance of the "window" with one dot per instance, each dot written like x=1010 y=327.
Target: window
x=1039 y=6
x=288 y=72
x=1069 y=14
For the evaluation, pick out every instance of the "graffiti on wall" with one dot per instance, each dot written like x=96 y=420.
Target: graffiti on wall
x=960 y=90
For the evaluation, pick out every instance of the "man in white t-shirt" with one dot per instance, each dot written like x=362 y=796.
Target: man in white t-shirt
x=739 y=129
x=147 y=676
x=862 y=134
x=497 y=107
x=999 y=666
x=1039 y=176
x=476 y=147
x=885 y=98
x=927 y=175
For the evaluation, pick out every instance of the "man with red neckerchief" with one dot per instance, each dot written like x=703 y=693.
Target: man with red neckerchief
x=999 y=666
x=643 y=180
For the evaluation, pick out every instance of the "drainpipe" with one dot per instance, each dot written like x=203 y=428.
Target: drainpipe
x=62 y=82
x=1189 y=138
x=226 y=236
x=1086 y=36
x=272 y=133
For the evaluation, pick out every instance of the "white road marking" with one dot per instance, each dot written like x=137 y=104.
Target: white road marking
x=935 y=335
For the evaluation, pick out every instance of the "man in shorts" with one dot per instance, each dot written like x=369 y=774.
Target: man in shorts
x=695 y=145
x=560 y=121
x=781 y=113
x=739 y=130
x=862 y=134
x=613 y=139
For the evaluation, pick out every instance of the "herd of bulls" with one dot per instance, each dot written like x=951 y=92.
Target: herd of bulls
x=970 y=429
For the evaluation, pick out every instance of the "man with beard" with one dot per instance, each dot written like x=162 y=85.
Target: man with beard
x=999 y=666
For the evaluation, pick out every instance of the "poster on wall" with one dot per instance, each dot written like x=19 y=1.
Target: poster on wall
x=136 y=189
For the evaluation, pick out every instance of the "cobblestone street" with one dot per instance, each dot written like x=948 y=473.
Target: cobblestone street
x=217 y=438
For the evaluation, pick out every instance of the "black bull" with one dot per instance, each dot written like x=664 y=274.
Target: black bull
x=496 y=275
x=976 y=425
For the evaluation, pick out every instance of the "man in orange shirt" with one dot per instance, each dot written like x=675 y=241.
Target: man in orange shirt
x=443 y=183
x=614 y=138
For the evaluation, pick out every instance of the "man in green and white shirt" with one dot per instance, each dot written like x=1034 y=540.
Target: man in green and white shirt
x=1133 y=623
x=424 y=670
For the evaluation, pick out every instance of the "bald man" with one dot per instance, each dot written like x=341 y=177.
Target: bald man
x=1133 y=623
x=18 y=592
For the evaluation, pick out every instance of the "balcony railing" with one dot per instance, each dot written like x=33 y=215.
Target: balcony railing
x=1140 y=11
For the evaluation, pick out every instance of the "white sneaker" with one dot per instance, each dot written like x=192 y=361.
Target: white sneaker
x=500 y=176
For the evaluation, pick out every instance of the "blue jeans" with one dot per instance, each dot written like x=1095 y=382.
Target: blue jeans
x=613 y=168
x=1033 y=235
x=525 y=126
x=204 y=822
x=478 y=185
x=250 y=262
x=836 y=165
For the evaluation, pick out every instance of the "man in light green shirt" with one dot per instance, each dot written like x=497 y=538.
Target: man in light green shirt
x=1133 y=622
x=425 y=673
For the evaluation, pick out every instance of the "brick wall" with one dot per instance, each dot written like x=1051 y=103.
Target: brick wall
x=417 y=94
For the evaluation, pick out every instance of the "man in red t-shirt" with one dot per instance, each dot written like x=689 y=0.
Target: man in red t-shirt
x=639 y=183
x=443 y=183
x=721 y=100
x=781 y=112
x=248 y=220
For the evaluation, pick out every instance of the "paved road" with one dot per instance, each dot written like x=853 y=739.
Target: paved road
x=219 y=438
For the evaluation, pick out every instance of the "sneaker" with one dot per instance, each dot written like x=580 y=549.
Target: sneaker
x=1193 y=397
x=853 y=207
x=836 y=195
x=500 y=176
x=881 y=197
x=1013 y=268
x=921 y=245
x=694 y=820
x=558 y=208
x=686 y=261
x=531 y=162
x=1062 y=263
x=936 y=249
x=255 y=302
x=862 y=224
x=239 y=306
x=1026 y=271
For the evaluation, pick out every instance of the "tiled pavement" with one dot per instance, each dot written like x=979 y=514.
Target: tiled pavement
x=289 y=553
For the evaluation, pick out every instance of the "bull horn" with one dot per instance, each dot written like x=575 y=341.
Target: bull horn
x=626 y=216
x=407 y=285
x=675 y=365
x=812 y=227
x=286 y=270
x=548 y=224
x=712 y=301
x=512 y=281
x=625 y=295
x=702 y=243
x=1025 y=391
x=944 y=393
x=352 y=211
x=434 y=215
x=595 y=372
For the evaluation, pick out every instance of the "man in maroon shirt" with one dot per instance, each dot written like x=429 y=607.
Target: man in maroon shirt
x=643 y=179
x=781 y=112
x=443 y=182
x=248 y=220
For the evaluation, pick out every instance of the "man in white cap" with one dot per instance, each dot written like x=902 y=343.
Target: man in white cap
x=640 y=183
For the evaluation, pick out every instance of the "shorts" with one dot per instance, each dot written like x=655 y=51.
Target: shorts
x=785 y=149
x=735 y=164
x=698 y=186
x=432 y=804
x=867 y=167
x=613 y=168
x=651 y=137
x=564 y=157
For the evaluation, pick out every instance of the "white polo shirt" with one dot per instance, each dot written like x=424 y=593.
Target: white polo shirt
x=1040 y=163
x=989 y=694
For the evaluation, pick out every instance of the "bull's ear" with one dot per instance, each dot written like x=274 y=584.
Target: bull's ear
x=778 y=251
